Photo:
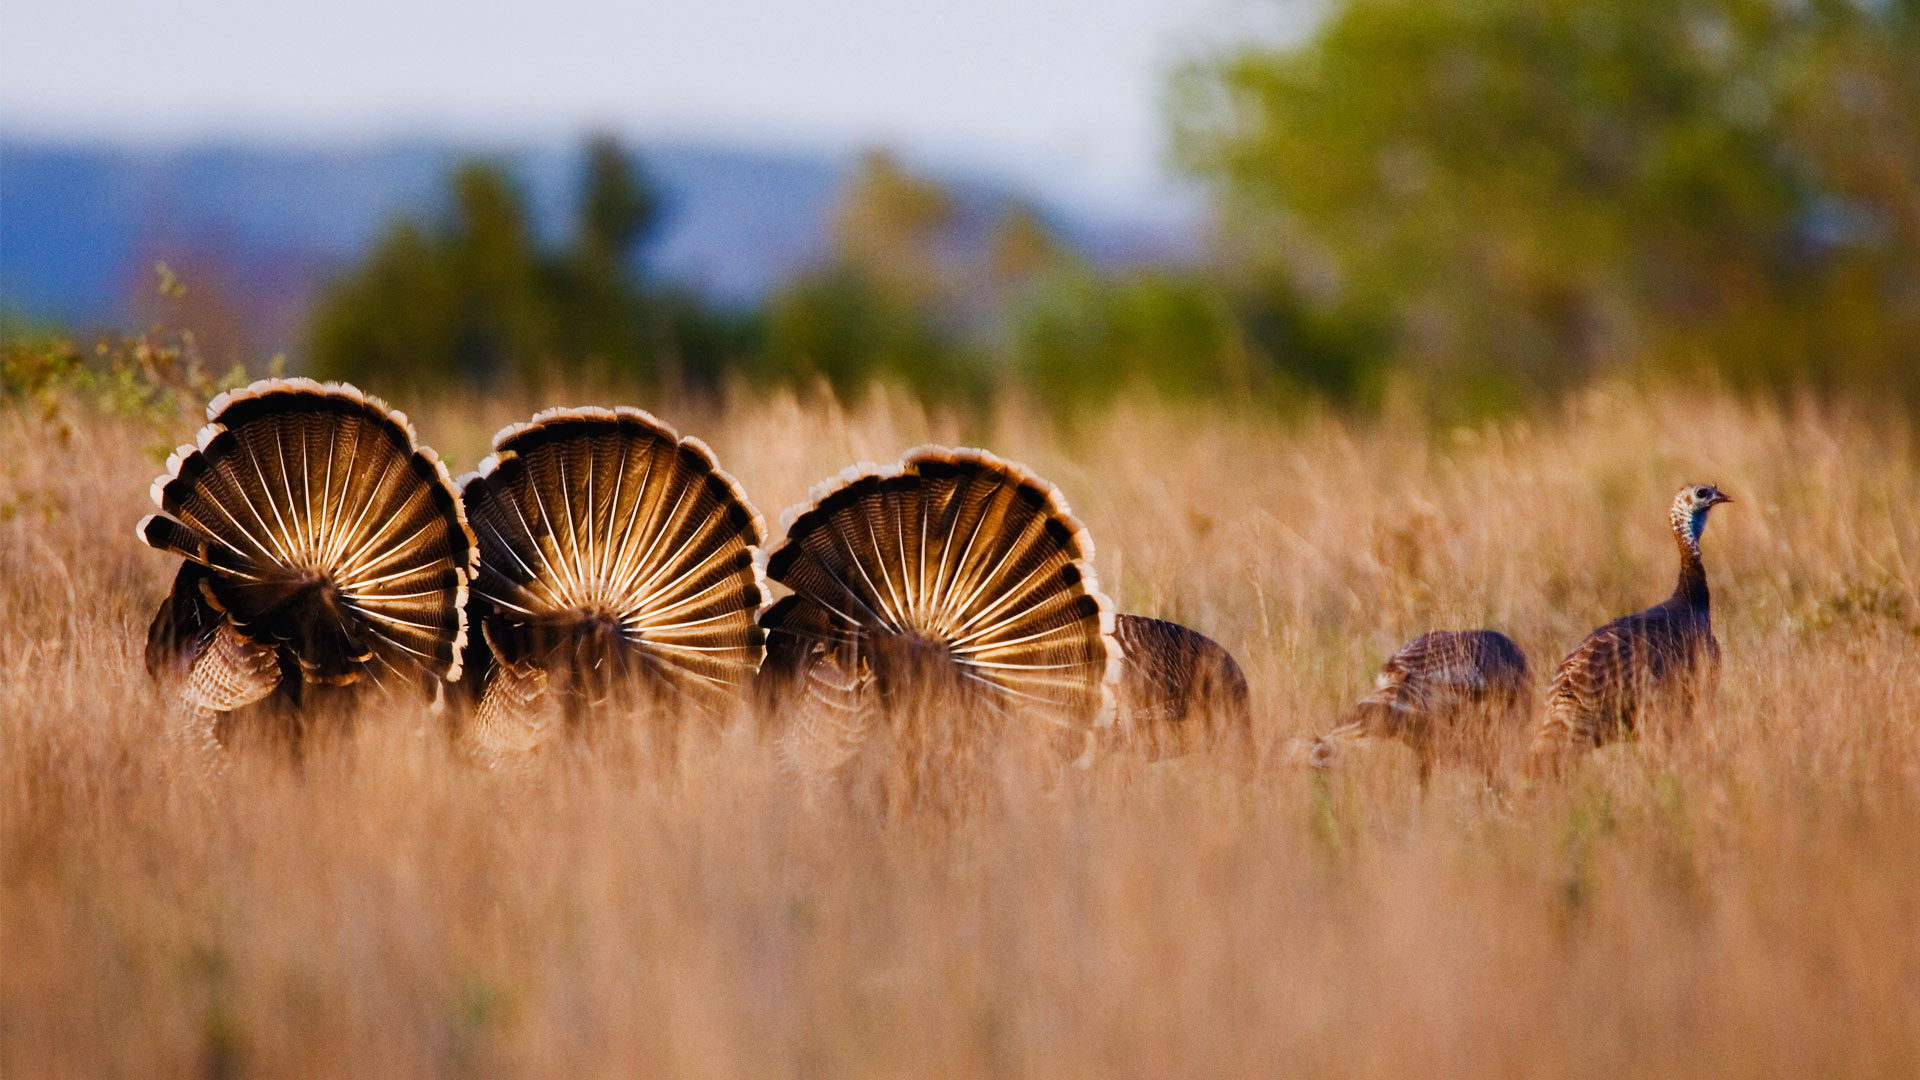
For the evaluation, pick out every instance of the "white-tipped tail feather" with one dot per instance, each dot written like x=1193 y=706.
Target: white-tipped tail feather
x=318 y=533
x=953 y=566
x=614 y=556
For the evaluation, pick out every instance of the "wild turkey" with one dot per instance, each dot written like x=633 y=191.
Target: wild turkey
x=1658 y=664
x=617 y=562
x=1454 y=696
x=324 y=547
x=941 y=607
x=1180 y=691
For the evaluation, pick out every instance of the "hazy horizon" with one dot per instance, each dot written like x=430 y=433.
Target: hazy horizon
x=1063 y=96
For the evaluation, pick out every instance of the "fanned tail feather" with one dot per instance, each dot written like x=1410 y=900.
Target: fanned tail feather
x=953 y=567
x=613 y=554
x=316 y=527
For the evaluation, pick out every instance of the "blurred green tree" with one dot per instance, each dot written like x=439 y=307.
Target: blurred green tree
x=1513 y=193
x=1022 y=246
x=889 y=303
x=892 y=226
x=619 y=209
x=607 y=321
x=475 y=296
x=1082 y=337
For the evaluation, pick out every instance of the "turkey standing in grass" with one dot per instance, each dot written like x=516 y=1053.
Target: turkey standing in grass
x=942 y=608
x=1658 y=665
x=324 y=548
x=617 y=568
x=1180 y=691
x=1459 y=697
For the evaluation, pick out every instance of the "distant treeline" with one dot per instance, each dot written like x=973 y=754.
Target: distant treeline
x=1479 y=199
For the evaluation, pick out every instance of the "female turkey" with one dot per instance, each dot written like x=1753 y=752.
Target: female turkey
x=1656 y=665
x=1458 y=697
x=617 y=567
x=943 y=608
x=324 y=548
x=1180 y=691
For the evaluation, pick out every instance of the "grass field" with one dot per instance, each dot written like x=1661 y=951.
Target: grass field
x=1742 y=902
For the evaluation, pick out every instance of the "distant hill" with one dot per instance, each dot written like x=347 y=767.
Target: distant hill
x=81 y=224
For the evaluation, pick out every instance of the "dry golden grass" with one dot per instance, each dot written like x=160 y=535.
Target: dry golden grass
x=1743 y=902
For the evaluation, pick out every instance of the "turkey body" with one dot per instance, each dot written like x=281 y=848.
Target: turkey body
x=1656 y=667
x=1456 y=697
x=1180 y=691
x=1657 y=662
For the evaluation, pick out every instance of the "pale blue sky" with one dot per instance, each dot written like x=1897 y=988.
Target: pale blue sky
x=1065 y=94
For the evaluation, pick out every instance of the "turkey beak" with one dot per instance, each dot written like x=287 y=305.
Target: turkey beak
x=1719 y=497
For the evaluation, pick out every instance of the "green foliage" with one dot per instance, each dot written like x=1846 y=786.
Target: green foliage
x=909 y=299
x=890 y=303
x=618 y=208
x=155 y=376
x=1477 y=200
x=849 y=327
x=455 y=300
x=1524 y=190
x=891 y=225
x=476 y=297
x=1085 y=337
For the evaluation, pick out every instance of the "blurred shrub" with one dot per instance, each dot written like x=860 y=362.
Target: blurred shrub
x=1515 y=192
x=913 y=294
x=156 y=375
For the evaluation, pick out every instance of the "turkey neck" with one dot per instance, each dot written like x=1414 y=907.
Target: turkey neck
x=1691 y=590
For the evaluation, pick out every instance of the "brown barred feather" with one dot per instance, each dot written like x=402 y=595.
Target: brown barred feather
x=515 y=716
x=231 y=671
x=615 y=557
x=318 y=534
x=1180 y=691
x=1459 y=697
x=952 y=573
x=1657 y=666
x=183 y=625
x=815 y=676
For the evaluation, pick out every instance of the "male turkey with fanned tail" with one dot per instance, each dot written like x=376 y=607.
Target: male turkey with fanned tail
x=1659 y=665
x=617 y=571
x=944 y=610
x=325 y=548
